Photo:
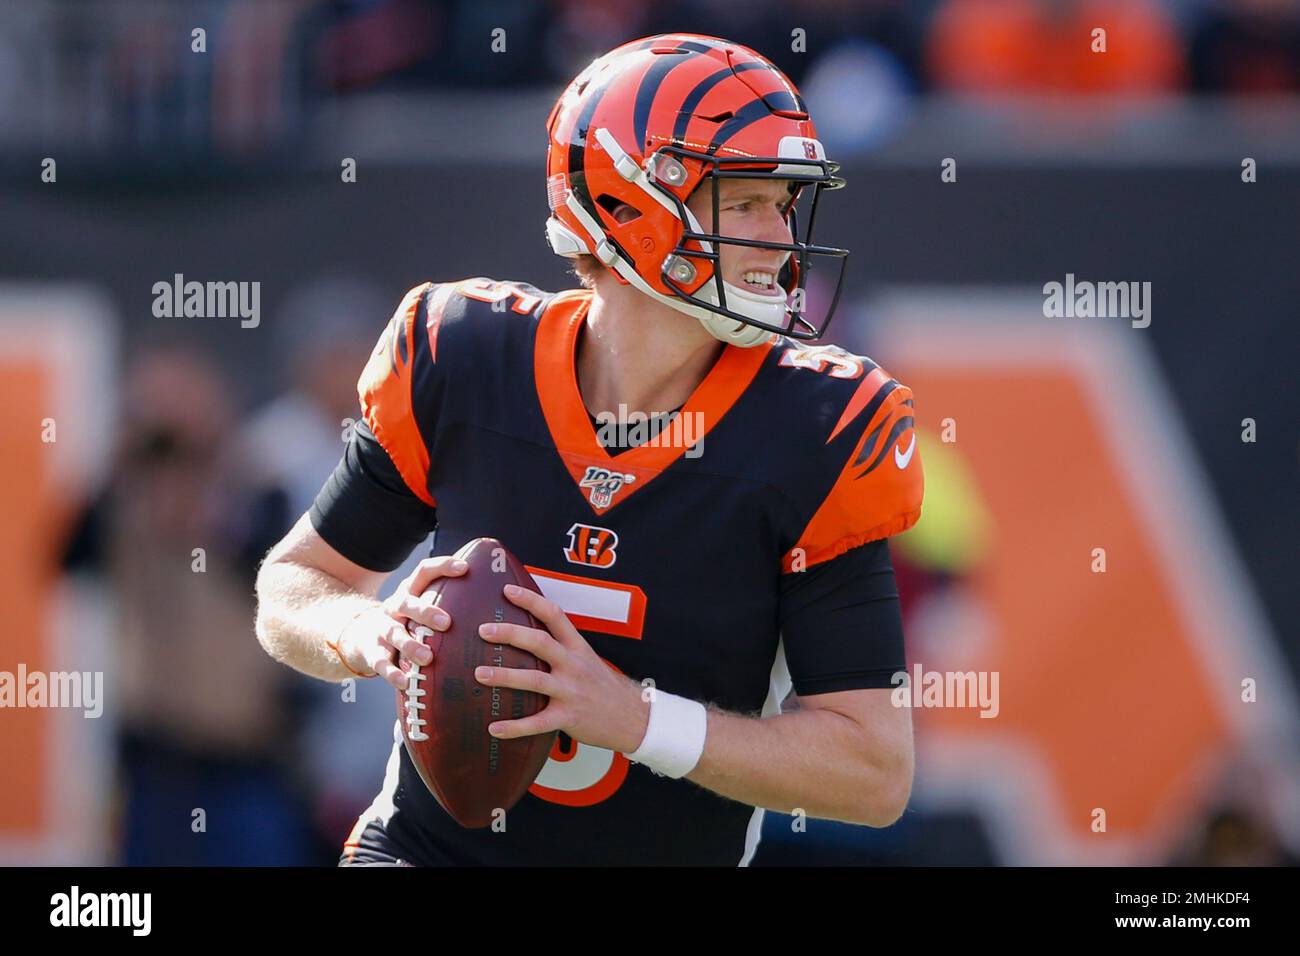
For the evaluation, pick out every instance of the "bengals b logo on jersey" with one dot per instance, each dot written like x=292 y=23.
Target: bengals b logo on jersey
x=594 y=547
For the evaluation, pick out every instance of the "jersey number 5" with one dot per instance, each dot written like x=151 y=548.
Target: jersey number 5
x=576 y=774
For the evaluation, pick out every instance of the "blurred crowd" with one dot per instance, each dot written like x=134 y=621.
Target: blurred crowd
x=135 y=70
x=280 y=764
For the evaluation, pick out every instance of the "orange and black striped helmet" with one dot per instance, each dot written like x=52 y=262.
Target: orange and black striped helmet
x=644 y=125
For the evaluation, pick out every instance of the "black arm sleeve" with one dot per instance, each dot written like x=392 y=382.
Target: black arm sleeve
x=841 y=622
x=366 y=512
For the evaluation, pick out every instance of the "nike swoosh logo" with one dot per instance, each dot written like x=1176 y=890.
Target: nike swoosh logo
x=902 y=460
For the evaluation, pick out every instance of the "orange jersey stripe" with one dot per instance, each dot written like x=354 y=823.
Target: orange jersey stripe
x=386 y=400
x=879 y=490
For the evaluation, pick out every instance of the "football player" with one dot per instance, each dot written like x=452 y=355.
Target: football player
x=690 y=578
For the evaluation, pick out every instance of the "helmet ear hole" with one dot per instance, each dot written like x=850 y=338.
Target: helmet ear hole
x=622 y=212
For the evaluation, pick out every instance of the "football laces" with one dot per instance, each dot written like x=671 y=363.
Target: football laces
x=415 y=723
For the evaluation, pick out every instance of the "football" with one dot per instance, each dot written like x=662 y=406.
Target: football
x=445 y=711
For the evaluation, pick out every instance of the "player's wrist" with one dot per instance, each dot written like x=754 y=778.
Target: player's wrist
x=674 y=735
x=345 y=646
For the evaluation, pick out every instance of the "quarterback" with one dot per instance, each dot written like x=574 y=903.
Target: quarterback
x=684 y=595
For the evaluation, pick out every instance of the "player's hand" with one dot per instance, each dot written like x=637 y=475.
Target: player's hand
x=380 y=640
x=589 y=700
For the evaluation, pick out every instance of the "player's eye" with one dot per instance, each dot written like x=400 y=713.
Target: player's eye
x=752 y=205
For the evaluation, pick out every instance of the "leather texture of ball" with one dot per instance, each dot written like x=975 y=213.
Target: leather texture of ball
x=445 y=711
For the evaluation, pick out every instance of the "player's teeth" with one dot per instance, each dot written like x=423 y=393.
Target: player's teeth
x=760 y=278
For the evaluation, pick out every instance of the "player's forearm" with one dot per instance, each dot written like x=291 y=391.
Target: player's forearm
x=815 y=760
x=298 y=610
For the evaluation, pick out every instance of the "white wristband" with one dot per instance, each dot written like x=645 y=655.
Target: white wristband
x=674 y=738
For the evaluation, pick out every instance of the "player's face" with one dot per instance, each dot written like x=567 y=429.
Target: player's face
x=748 y=209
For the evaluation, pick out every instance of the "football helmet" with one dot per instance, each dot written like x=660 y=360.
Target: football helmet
x=646 y=124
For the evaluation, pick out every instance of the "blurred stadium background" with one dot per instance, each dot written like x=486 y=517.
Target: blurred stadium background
x=1121 y=691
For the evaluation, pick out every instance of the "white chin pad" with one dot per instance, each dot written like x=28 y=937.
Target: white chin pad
x=733 y=332
x=753 y=305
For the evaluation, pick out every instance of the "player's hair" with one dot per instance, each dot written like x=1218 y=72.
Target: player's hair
x=587 y=267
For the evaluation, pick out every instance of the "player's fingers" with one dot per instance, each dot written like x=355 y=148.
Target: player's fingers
x=546 y=611
x=380 y=656
x=537 y=642
x=519 y=678
x=542 y=722
x=399 y=678
x=406 y=607
x=430 y=569
x=409 y=642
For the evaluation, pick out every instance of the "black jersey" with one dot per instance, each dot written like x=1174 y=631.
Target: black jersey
x=733 y=554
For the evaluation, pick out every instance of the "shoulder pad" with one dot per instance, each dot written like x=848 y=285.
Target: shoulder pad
x=866 y=435
x=401 y=386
